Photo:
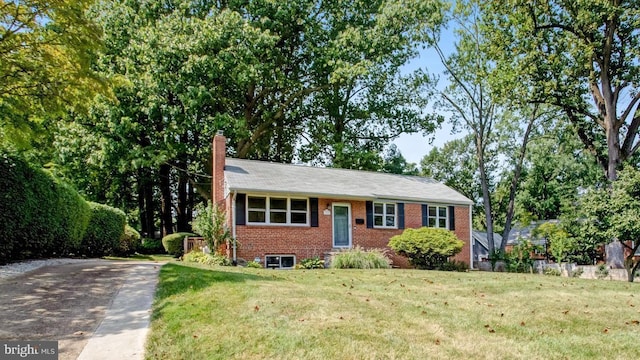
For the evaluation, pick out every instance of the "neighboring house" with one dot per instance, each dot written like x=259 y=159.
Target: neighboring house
x=282 y=213
x=520 y=233
x=480 y=246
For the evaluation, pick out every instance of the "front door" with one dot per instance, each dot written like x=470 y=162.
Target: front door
x=341 y=225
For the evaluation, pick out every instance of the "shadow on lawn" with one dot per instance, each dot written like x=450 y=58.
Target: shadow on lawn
x=177 y=279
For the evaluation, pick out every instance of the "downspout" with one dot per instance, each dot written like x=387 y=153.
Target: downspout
x=233 y=227
x=471 y=237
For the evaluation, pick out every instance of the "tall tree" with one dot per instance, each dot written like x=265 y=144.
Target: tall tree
x=583 y=57
x=46 y=53
x=613 y=215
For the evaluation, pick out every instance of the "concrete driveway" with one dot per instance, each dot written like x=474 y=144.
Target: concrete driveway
x=99 y=306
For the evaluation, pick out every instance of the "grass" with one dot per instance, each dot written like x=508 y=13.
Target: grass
x=234 y=313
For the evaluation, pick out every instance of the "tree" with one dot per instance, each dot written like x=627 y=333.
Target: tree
x=486 y=114
x=560 y=243
x=395 y=163
x=613 y=215
x=46 y=52
x=210 y=223
x=426 y=248
x=582 y=57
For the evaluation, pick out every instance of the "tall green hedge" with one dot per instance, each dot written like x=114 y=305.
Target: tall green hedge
x=41 y=216
x=105 y=229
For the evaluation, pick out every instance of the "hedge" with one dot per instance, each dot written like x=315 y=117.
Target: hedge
x=174 y=243
x=105 y=229
x=40 y=215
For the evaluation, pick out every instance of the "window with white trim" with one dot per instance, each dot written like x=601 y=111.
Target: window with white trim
x=438 y=217
x=277 y=210
x=385 y=215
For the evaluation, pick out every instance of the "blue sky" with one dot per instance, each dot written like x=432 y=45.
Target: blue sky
x=415 y=146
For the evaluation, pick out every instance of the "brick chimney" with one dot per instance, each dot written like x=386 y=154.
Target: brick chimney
x=219 y=150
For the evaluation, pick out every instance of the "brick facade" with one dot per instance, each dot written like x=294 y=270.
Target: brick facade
x=257 y=241
x=306 y=242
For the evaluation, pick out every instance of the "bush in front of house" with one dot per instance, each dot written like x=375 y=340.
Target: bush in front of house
x=426 y=248
x=199 y=257
x=40 y=215
x=174 y=243
x=359 y=258
x=105 y=229
x=311 y=263
x=129 y=242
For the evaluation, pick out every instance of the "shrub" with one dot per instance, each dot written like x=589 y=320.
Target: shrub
x=311 y=263
x=206 y=259
x=426 y=248
x=602 y=271
x=359 y=258
x=210 y=223
x=253 y=264
x=74 y=214
x=453 y=265
x=40 y=215
x=552 y=271
x=129 y=242
x=105 y=229
x=151 y=246
x=577 y=272
x=174 y=243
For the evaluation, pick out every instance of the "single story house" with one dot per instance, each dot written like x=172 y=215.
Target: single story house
x=480 y=245
x=281 y=214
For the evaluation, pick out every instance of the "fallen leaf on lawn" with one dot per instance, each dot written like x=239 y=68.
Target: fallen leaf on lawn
x=491 y=330
x=565 y=312
x=522 y=323
x=256 y=308
x=341 y=318
x=195 y=336
x=606 y=330
x=78 y=333
x=437 y=342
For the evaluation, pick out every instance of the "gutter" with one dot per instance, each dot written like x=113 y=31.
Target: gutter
x=233 y=227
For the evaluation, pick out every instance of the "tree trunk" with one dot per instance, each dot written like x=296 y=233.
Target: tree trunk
x=514 y=182
x=182 y=221
x=145 y=203
x=165 y=200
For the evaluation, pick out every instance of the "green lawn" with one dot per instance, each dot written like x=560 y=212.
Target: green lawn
x=234 y=313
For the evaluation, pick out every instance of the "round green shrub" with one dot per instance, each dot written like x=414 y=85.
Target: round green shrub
x=105 y=229
x=426 y=248
x=174 y=243
x=129 y=242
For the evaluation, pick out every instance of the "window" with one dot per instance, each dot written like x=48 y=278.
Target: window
x=277 y=210
x=384 y=215
x=438 y=216
x=279 y=261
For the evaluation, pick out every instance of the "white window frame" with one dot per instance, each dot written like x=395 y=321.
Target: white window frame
x=438 y=217
x=280 y=256
x=267 y=210
x=384 y=215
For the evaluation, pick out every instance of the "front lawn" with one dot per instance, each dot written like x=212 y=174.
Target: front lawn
x=235 y=313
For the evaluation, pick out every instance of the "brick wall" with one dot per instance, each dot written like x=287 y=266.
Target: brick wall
x=304 y=242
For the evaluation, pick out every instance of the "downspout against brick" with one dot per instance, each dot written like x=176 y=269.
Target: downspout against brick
x=233 y=225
